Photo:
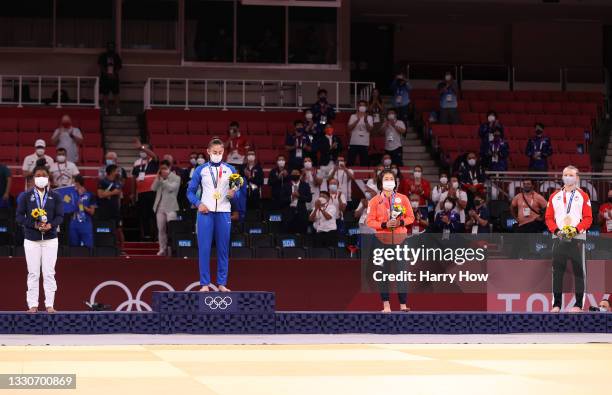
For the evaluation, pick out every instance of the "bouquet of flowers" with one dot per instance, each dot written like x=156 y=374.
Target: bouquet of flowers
x=397 y=210
x=235 y=181
x=568 y=232
x=39 y=214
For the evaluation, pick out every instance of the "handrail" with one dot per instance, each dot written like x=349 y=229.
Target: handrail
x=263 y=94
x=58 y=82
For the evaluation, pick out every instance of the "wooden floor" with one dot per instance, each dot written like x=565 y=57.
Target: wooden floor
x=321 y=369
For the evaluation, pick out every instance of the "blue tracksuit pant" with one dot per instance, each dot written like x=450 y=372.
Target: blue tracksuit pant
x=217 y=226
x=80 y=234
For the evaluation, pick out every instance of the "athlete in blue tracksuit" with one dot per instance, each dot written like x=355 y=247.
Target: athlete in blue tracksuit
x=81 y=225
x=214 y=213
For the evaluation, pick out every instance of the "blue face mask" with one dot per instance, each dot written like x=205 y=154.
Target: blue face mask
x=110 y=162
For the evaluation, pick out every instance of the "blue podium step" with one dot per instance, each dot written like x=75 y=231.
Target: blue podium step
x=214 y=302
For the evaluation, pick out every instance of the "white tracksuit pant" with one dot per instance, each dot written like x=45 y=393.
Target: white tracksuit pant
x=41 y=254
x=162 y=228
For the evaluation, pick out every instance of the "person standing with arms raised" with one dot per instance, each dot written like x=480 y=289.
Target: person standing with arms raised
x=214 y=213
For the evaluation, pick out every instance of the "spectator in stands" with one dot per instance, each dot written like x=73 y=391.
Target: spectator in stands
x=399 y=177
x=527 y=208
x=323 y=217
x=401 y=94
x=314 y=178
x=459 y=196
x=372 y=183
x=360 y=125
x=278 y=179
x=201 y=159
x=472 y=176
x=186 y=175
x=29 y=162
x=447 y=220
x=63 y=170
x=5 y=185
x=144 y=173
x=421 y=221
x=449 y=93
x=254 y=178
x=310 y=127
x=236 y=146
x=344 y=177
x=604 y=305
x=538 y=149
x=376 y=108
x=605 y=214
x=110 y=63
x=69 y=138
x=478 y=217
x=329 y=146
x=297 y=191
x=338 y=200
x=439 y=189
x=487 y=130
x=417 y=185
x=386 y=161
x=298 y=144
x=111 y=159
x=322 y=111
x=109 y=194
x=80 y=230
x=173 y=167
x=394 y=129
x=361 y=212
x=496 y=154
x=166 y=186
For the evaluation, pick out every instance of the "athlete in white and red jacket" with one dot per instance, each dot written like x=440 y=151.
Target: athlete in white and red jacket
x=570 y=207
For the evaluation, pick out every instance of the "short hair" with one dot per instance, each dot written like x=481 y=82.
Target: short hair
x=380 y=178
x=492 y=112
x=571 y=167
x=234 y=123
x=41 y=168
x=110 y=169
x=165 y=162
x=215 y=141
x=324 y=192
x=79 y=179
x=321 y=90
x=193 y=153
x=60 y=149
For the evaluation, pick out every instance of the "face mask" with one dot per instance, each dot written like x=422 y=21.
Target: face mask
x=40 y=151
x=477 y=202
x=601 y=308
x=323 y=98
x=61 y=158
x=388 y=185
x=309 y=116
x=455 y=185
x=66 y=125
x=41 y=182
x=299 y=130
x=448 y=77
x=201 y=161
x=251 y=158
x=471 y=162
x=394 y=170
x=110 y=162
x=387 y=162
x=368 y=195
x=295 y=177
x=569 y=180
x=307 y=165
x=539 y=132
x=527 y=189
x=193 y=161
x=340 y=163
x=281 y=163
x=414 y=203
x=391 y=117
x=448 y=206
x=143 y=155
x=491 y=118
x=443 y=180
x=216 y=158
x=362 y=108
x=417 y=174
x=333 y=188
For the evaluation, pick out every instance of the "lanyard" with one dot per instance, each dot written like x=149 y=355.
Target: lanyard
x=541 y=144
x=143 y=165
x=569 y=205
x=39 y=203
x=212 y=175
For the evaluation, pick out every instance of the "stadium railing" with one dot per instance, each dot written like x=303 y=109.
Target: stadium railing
x=58 y=90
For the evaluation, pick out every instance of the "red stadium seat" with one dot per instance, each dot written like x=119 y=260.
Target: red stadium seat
x=518 y=133
x=157 y=127
x=89 y=126
x=555 y=133
x=575 y=133
x=552 y=108
x=464 y=131
x=91 y=155
x=519 y=162
x=257 y=127
x=517 y=107
x=8 y=124
x=589 y=109
x=277 y=128
x=508 y=120
x=564 y=120
x=196 y=127
x=47 y=125
x=525 y=119
x=28 y=138
x=181 y=140
x=479 y=106
x=582 y=162
x=565 y=147
x=546 y=119
x=441 y=130
x=9 y=154
x=523 y=96
x=571 y=108
x=535 y=107
x=505 y=95
x=177 y=127
x=582 y=121
x=218 y=128
x=540 y=96
x=159 y=141
x=8 y=139
x=28 y=125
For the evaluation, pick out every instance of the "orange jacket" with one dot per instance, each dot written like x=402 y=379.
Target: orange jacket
x=379 y=213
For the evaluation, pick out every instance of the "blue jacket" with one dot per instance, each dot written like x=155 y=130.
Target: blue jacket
x=542 y=145
x=55 y=215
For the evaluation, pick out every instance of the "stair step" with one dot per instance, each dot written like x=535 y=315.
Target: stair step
x=423 y=162
x=121 y=125
x=122 y=132
x=414 y=148
x=120 y=138
x=417 y=156
x=120 y=118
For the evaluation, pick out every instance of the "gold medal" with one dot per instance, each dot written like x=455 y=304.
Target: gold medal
x=217 y=195
x=567 y=220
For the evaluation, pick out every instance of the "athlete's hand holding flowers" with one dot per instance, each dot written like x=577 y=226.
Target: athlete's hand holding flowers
x=40 y=215
x=567 y=232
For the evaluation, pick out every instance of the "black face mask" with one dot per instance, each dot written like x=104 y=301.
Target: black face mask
x=609 y=199
x=539 y=132
x=527 y=189
x=294 y=177
x=477 y=202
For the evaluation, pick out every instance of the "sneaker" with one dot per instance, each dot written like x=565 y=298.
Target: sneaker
x=161 y=253
x=555 y=309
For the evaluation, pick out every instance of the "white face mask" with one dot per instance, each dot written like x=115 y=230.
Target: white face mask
x=443 y=180
x=448 y=206
x=417 y=174
x=143 y=155
x=251 y=158
x=362 y=108
x=491 y=118
x=40 y=151
x=216 y=158
x=388 y=185
x=333 y=188
x=340 y=163
x=307 y=165
x=471 y=162
x=41 y=182
x=391 y=117
x=455 y=185
x=394 y=170
x=110 y=162
x=308 y=116
x=201 y=161
x=414 y=203
x=281 y=163
x=193 y=161
x=569 y=180
x=61 y=158
x=387 y=162
x=448 y=77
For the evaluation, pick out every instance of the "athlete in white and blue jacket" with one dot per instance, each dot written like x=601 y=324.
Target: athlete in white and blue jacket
x=214 y=213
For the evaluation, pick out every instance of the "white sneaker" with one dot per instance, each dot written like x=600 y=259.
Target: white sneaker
x=161 y=253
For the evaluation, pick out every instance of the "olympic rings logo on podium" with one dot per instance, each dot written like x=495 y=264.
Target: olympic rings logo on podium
x=218 y=302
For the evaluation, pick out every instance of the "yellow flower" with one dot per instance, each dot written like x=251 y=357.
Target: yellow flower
x=42 y=211
x=36 y=213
